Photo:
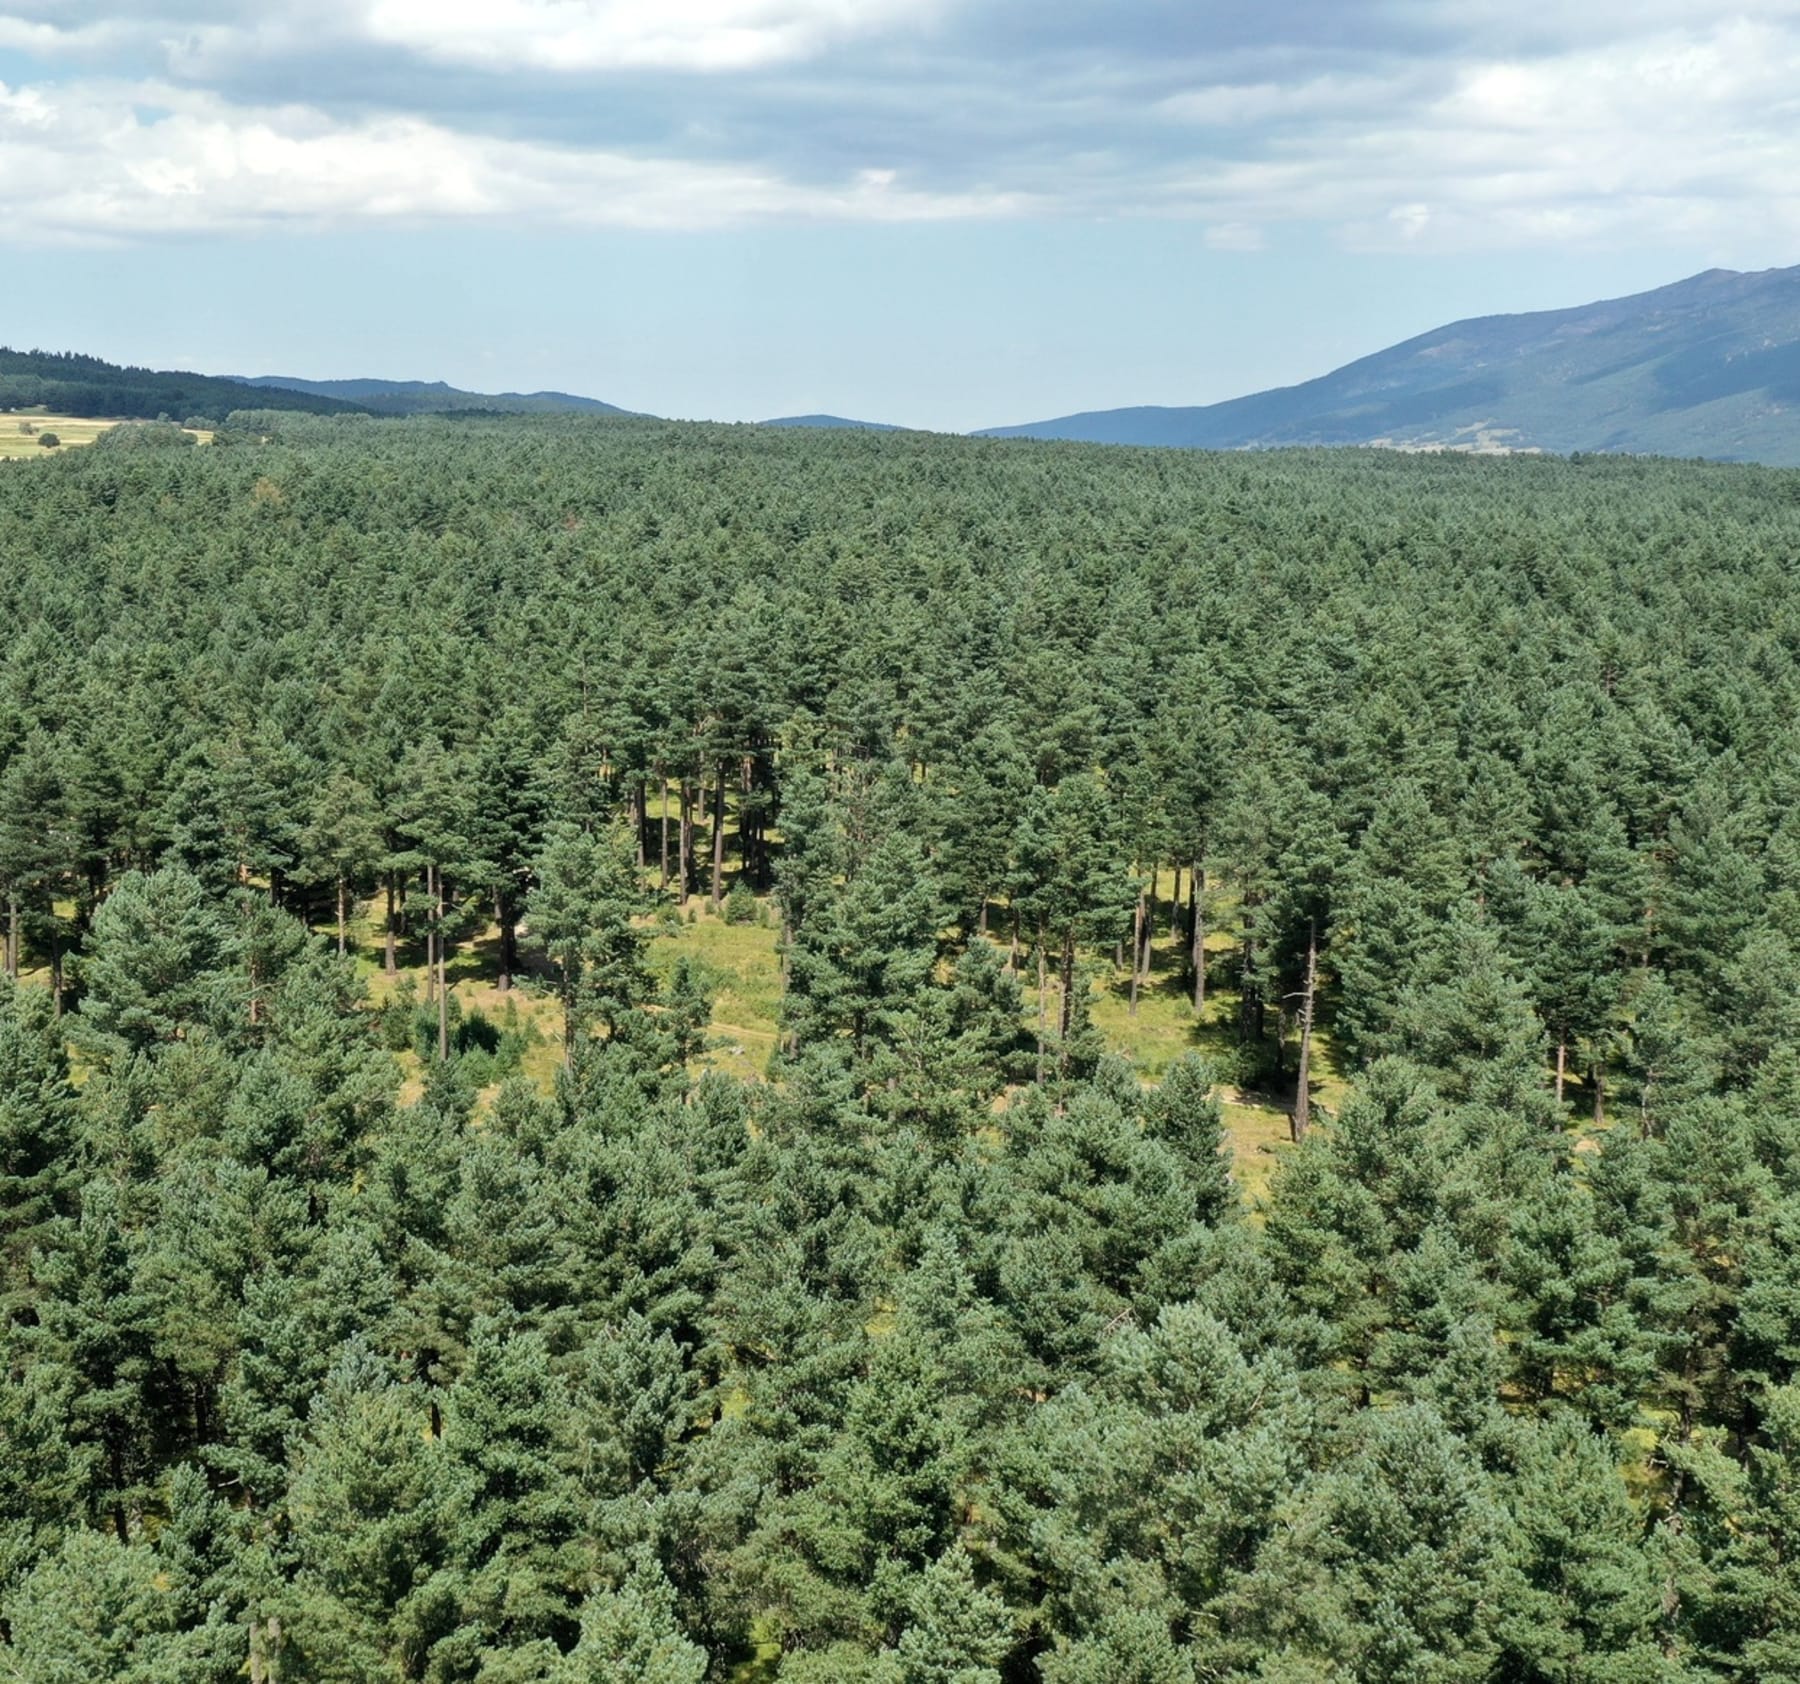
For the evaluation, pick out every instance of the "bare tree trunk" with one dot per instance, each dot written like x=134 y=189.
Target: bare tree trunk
x=1562 y=1066
x=1302 y=1118
x=1599 y=1079
x=1043 y=997
x=12 y=937
x=662 y=783
x=443 y=981
x=1137 y=949
x=687 y=842
x=265 y=1651
x=509 y=940
x=746 y=829
x=392 y=926
x=718 y=840
x=56 y=968
x=1197 y=930
x=1252 y=1008
x=981 y=918
x=1066 y=1007
x=1150 y=921
x=343 y=909
x=640 y=817
x=431 y=937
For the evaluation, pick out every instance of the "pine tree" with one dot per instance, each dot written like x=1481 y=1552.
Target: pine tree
x=958 y=1631
x=630 y=1635
x=38 y=1168
x=96 y=1609
x=1185 y=1114
x=582 y=914
x=153 y=968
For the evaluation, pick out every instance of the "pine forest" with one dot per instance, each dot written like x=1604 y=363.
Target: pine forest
x=638 y=1053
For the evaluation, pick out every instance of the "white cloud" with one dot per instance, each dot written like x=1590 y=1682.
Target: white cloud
x=1631 y=121
x=1683 y=135
x=1252 y=104
x=21 y=35
x=105 y=160
x=588 y=35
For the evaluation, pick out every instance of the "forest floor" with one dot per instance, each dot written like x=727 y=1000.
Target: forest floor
x=742 y=967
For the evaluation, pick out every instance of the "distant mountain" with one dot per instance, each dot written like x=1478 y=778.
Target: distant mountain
x=434 y=397
x=66 y=383
x=1706 y=367
x=831 y=423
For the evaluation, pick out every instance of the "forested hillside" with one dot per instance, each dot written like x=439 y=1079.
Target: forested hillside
x=68 y=384
x=434 y=397
x=349 y=1333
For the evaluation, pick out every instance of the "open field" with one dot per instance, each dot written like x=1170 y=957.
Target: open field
x=70 y=430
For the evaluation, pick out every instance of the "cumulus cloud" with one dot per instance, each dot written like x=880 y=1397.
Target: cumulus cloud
x=1415 y=123
x=105 y=161
x=585 y=35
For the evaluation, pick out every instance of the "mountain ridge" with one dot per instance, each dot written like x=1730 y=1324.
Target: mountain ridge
x=434 y=397
x=1706 y=366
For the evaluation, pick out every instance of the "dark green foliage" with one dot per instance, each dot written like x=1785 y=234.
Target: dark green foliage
x=953 y=1352
x=740 y=904
x=69 y=384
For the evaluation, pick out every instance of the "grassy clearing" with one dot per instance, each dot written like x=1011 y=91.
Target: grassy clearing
x=761 y=1667
x=1164 y=1028
x=744 y=971
x=740 y=961
x=1259 y=1136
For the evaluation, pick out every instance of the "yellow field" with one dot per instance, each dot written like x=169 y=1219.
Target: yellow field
x=72 y=430
x=15 y=441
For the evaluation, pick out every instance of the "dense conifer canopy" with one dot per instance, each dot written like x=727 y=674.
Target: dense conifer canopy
x=348 y=1333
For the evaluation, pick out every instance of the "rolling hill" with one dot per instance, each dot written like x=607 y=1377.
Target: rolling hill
x=434 y=397
x=66 y=383
x=1709 y=366
x=831 y=423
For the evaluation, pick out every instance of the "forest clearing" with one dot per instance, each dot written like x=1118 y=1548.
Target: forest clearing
x=743 y=965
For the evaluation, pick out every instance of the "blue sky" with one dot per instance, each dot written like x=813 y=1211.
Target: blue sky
x=948 y=213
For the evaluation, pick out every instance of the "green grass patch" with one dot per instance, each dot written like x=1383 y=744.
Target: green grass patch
x=763 y=1664
x=744 y=971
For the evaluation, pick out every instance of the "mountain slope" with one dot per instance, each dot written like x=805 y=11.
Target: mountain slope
x=434 y=397
x=66 y=383
x=831 y=423
x=1707 y=367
